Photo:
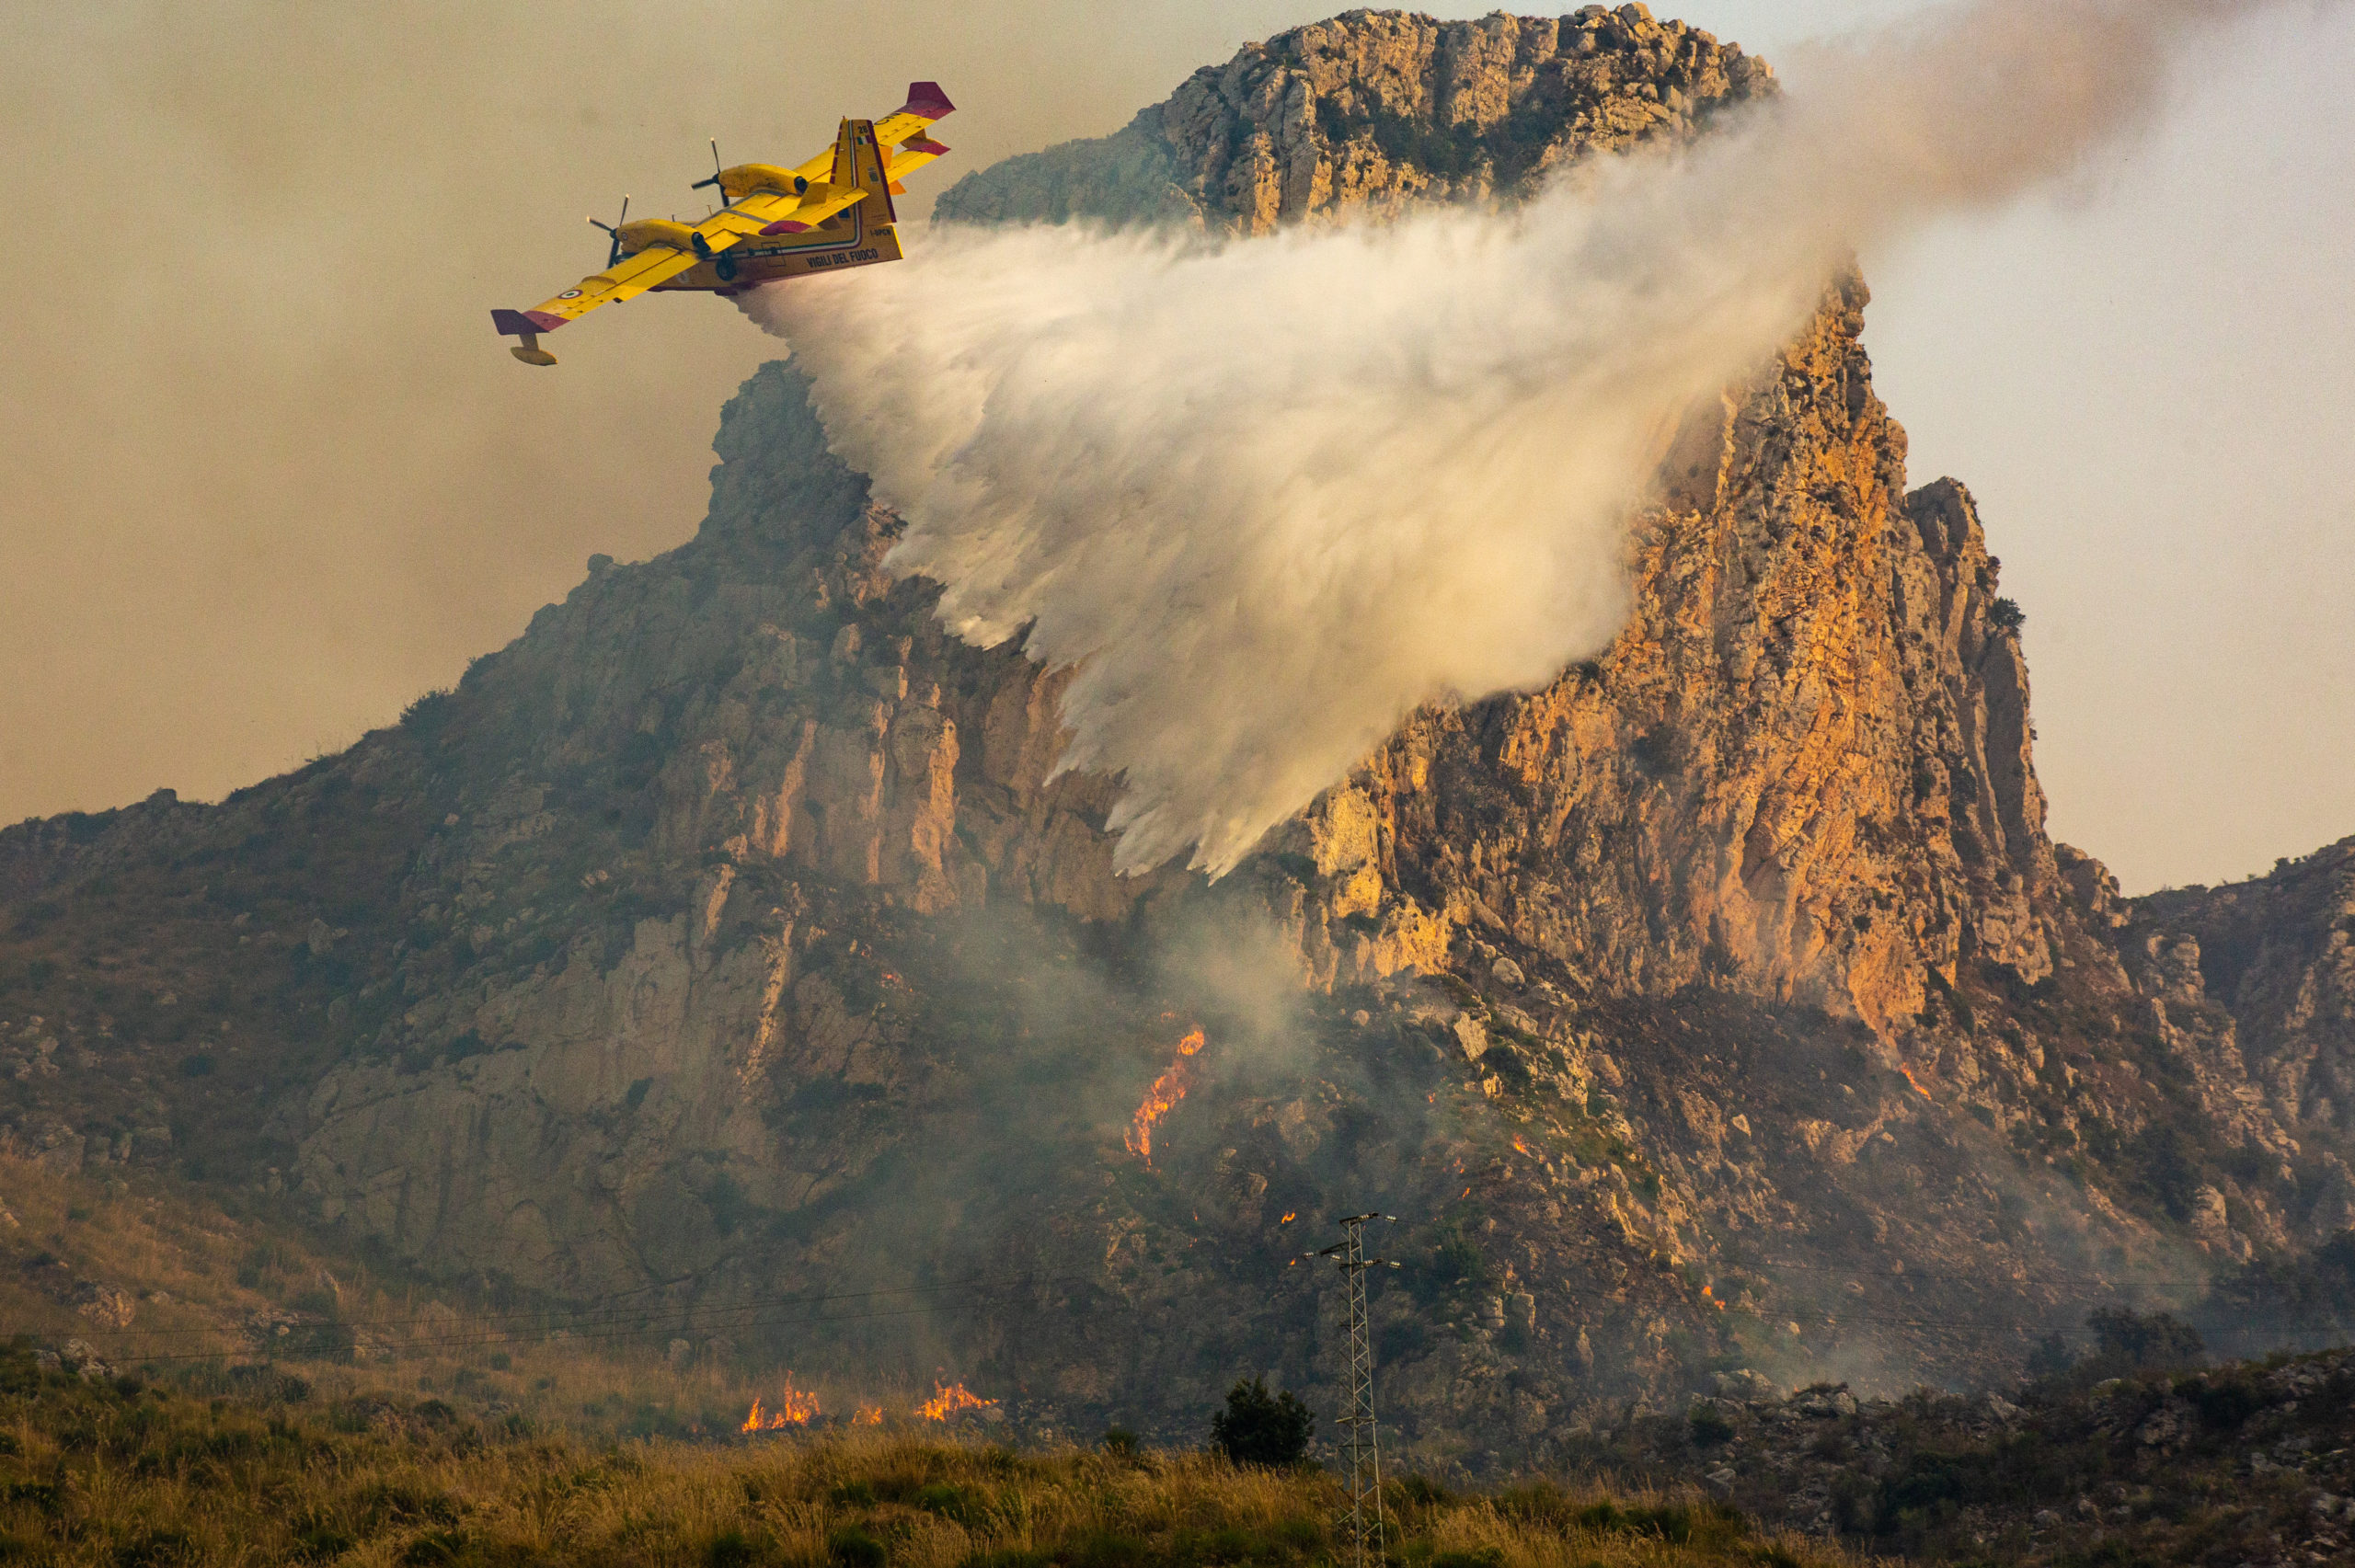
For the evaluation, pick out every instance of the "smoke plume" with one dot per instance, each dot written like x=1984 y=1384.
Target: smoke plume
x=1270 y=495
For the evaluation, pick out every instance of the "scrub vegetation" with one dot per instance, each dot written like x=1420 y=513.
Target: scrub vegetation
x=120 y=1471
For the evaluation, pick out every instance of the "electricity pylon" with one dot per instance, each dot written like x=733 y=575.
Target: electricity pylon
x=1361 y=1523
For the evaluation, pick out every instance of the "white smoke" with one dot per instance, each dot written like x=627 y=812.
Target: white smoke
x=1270 y=496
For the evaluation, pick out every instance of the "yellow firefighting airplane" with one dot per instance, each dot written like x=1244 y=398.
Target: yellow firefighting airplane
x=832 y=212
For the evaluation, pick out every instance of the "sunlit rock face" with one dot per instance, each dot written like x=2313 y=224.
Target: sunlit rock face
x=730 y=934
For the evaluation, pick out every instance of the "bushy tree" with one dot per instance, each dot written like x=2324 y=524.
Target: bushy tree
x=1260 y=1428
x=2051 y=1357
x=2126 y=1342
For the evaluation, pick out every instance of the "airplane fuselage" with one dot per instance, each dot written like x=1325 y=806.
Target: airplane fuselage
x=845 y=240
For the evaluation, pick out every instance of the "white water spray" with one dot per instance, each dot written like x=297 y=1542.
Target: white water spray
x=1272 y=495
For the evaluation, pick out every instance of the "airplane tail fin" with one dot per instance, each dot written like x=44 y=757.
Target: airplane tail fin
x=926 y=99
x=858 y=161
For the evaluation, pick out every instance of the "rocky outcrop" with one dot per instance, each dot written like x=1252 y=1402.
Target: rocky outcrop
x=1803 y=769
x=1374 y=109
x=2252 y=988
x=2277 y=954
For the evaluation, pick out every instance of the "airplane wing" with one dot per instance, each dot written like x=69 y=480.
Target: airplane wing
x=625 y=280
x=776 y=212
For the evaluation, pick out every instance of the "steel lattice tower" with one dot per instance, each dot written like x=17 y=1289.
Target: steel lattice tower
x=1361 y=1523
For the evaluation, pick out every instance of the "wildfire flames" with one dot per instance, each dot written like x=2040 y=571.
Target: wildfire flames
x=799 y=1407
x=1162 y=1097
x=1711 y=1298
x=947 y=1399
x=794 y=1408
x=1913 y=1081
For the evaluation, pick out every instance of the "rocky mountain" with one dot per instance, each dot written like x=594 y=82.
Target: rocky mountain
x=1723 y=1007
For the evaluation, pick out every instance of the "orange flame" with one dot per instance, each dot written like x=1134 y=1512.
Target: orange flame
x=1162 y=1098
x=794 y=1408
x=1710 y=1296
x=1913 y=1081
x=1286 y=1219
x=1524 y=1149
x=869 y=1416
x=947 y=1399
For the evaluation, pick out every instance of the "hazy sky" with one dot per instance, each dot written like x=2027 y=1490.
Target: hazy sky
x=267 y=474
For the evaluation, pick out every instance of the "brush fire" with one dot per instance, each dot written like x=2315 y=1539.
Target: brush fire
x=950 y=1399
x=1162 y=1097
x=795 y=1407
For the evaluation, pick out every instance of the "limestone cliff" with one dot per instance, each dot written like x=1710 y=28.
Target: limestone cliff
x=722 y=939
x=1374 y=108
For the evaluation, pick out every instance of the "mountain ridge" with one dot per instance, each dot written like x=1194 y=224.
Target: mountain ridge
x=1724 y=1004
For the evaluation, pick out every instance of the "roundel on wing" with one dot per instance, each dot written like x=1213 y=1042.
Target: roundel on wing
x=570 y=294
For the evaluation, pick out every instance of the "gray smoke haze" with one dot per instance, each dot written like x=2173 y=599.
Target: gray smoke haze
x=268 y=473
x=1270 y=496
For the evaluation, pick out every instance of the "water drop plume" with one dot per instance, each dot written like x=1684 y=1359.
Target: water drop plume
x=1270 y=495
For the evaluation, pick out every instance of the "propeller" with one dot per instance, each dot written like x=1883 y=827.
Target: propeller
x=614 y=255
x=716 y=172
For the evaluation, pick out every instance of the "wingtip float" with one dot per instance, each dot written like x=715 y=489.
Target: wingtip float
x=830 y=213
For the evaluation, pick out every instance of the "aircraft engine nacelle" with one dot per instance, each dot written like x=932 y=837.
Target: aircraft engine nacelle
x=636 y=237
x=745 y=179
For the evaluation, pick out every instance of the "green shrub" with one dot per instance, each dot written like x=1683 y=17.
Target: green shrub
x=2127 y=1342
x=434 y=1547
x=2225 y=1403
x=155 y=1548
x=959 y=1503
x=1260 y=1428
x=1108 y=1550
x=1413 y=1491
x=318 y=1543
x=1709 y=1428
x=731 y=1549
x=2051 y=1357
x=852 y=1547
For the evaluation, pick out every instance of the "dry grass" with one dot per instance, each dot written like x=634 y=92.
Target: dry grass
x=470 y=1438
x=115 y=1473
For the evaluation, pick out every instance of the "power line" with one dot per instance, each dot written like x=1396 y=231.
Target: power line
x=466 y=1339
x=2090 y=1284
x=605 y=1328
x=604 y=1312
